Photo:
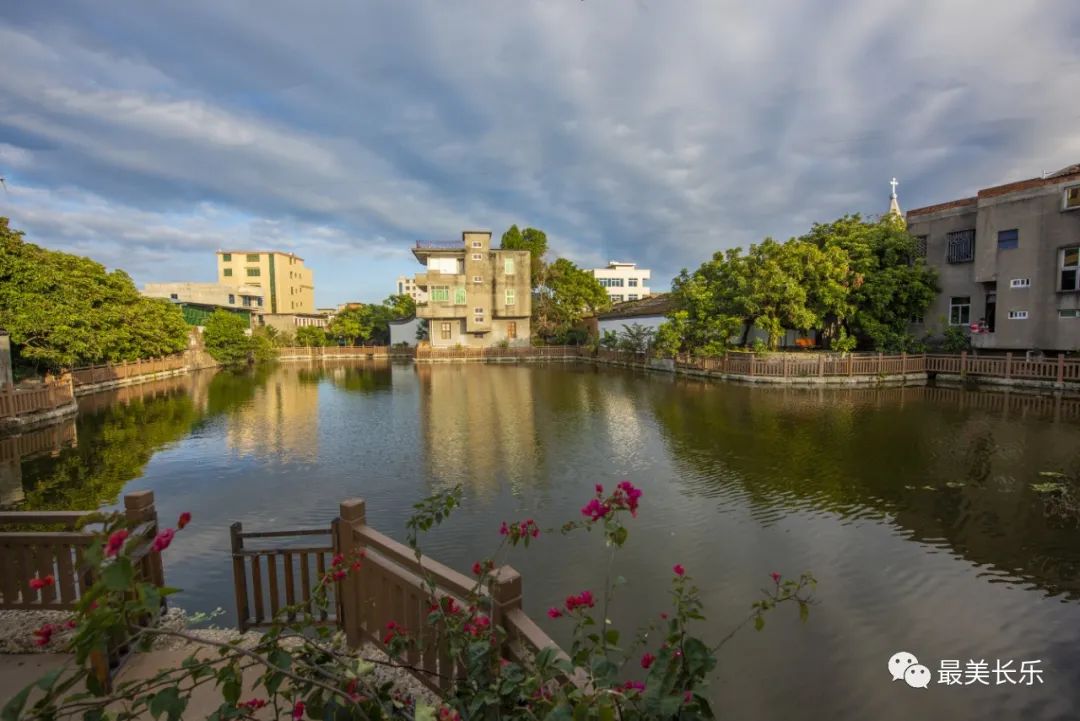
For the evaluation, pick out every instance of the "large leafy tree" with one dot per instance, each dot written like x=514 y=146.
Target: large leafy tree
x=568 y=294
x=532 y=240
x=400 y=306
x=354 y=324
x=228 y=341
x=310 y=335
x=64 y=310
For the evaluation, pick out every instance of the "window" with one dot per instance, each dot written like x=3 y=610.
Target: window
x=1008 y=239
x=632 y=296
x=616 y=282
x=477 y=256
x=477 y=244
x=920 y=246
x=227 y=272
x=444 y=331
x=247 y=300
x=1069 y=314
x=1070 y=265
x=1072 y=198
x=254 y=272
x=232 y=299
x=508 y=266
x=459 y=296
x=259 y=301
x=617 y=298
x=174 y=296
x=511 y=330
x=440 y=293
x=253 y=257
x=510 y=296
x=961 y=246
x=1020 y=283
x=632 y=282
x=226 y=257
x=478 y=279
x=478 y=311
x=960 y=310
x=1018 y=315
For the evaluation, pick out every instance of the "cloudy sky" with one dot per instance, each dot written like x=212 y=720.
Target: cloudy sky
x=148 y=135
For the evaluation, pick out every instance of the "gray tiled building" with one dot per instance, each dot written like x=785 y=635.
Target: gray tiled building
x=1008 y=262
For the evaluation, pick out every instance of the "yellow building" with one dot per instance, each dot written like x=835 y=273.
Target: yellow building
x=288 y=287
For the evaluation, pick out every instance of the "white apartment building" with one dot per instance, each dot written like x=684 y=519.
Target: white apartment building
x=235 y=296
x=407 y=286
x=624 y=281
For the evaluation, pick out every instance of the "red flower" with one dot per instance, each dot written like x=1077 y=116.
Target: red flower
x=298 y=711
x=393 y=630
x=504 y=530
x=663 y=615
x=163 y=539
x=554 y=612
x=687 y=696
x=582 y=600
x=39 y=583
x=252 y=705
x=477 y=569
x=185 y=518
x=355 y=565
x=115 y=542
x=678 y=569
x=337 y=560
x=775 y=577
x=44 y=634
x=627 y=495
x=647 y=660
x=71 y=623
x=595 y=510
x=339 y=574
x=634 y=686
x=599 y=489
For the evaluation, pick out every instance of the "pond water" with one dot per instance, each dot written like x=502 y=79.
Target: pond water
x=912 y=506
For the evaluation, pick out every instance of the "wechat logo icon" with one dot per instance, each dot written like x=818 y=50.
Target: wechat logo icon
x=903 y=666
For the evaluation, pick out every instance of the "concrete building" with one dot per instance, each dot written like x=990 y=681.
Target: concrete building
x=407 y=286
x=649 y=313
x=288 y=286
x=289 y=322
x=624 y=281
x=1008 y=262
x=226 y=295
x=477 y=296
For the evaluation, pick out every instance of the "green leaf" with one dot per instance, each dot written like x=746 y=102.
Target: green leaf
x=46 y=682
x=424 y=712
x=804 y=611
x=13 y=708
x=168 y=701
x=118 y=576
x=759 y=622
x=612 y=636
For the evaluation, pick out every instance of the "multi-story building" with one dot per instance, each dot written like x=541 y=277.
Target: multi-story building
x=288 y=286
x=407 y=286
x=1008 y=262
x=477 y=296
x=624 y=281
x=228 y=295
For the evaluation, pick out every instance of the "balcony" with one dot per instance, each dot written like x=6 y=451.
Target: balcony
x=440 y=311
x=437 y=277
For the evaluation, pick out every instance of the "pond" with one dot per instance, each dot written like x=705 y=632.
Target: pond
x=913 y=507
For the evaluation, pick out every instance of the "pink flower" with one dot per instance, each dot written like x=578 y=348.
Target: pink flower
x=595 y=510
x=340 y=574
x=599 y=489
x=627 y=495
x=687 y=697
x=775 y=577
x=504 y=530
x=71 y=623
x=337 y=560
x=634 y=686
x=663 y=616
x=647 y=660
x=393 y=630
x=39 y=583
x=185 y=518
x=298 y=711
x=554 y=612
x=115 y=542
x=252 y=705
x=44 y=634
x=477 y=569
x=163 y=539
x=678 y=569
x=582 y=600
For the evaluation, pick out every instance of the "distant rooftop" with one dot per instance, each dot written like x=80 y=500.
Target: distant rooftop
x=261 y=252
x=659 y=304
x=1069 y=172
x=440 y=244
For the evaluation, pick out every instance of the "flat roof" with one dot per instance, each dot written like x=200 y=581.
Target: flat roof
x=1067 y=174
x=659 y=304
x=261 y=252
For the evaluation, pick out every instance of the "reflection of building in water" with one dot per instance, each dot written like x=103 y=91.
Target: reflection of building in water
x=477 y=419
x=281 y=418
x=16 y=449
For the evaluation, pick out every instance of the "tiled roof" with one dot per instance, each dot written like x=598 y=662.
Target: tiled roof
x=659 y=304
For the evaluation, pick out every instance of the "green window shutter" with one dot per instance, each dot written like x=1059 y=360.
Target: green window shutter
x=508 y=266
x=459 y=296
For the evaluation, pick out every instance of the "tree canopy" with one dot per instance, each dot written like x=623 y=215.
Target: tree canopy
x=63 y=310
x=568 y=294
x=855 y=281
x=532 y=240
x=228 y=342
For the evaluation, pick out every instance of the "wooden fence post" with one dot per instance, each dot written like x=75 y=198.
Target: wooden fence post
x=903 y=363
x=138 y=509
x=821 y=366
x=786 y=365
x=1061 y=368
x=239 y=576
x=963 y=363
x=1008 y=365
x=505 y=593
x=851 y=364
x=352 y=515
x=880 y=364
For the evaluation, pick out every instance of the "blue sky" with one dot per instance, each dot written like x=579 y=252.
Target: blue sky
x=148 y=135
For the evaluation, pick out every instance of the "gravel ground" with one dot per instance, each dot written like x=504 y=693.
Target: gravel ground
x=16 y=636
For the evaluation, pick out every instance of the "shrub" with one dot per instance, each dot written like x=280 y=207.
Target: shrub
x=660 y=672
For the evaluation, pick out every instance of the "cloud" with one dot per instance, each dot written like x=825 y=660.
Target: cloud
x=146 y=136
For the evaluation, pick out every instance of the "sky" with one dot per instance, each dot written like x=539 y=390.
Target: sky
x=149 y=135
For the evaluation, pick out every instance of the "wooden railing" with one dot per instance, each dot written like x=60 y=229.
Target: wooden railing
x=333 y=351
x=129 y=369
x=269 y=579
x=553 y=352
x=392 y=585
x=53 y=393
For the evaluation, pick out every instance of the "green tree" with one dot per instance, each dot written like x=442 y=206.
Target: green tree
x=227 y=340
x=636 y=338
x=532 y=240
x=568 y=295
x=310 y=335
x=400 y=306
x=354 y=324
x=64 y=310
